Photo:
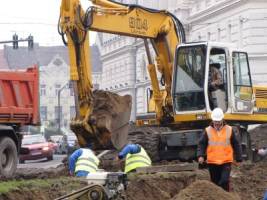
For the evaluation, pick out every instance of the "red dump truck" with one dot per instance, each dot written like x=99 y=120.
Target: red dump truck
x=19 y=105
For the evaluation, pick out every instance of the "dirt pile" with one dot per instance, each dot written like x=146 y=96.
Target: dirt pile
x=204 y=190
x=259 y=136
x=158 y=186
x=249 y=180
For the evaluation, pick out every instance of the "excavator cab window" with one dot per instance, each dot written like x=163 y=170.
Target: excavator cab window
x=188 y=92
x=242 y=82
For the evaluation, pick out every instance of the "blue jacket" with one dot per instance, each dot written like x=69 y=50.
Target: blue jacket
x=72 y=160
x=265 y=195
x=129 y=148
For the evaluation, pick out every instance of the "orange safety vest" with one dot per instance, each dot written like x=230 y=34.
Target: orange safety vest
x=219 y=150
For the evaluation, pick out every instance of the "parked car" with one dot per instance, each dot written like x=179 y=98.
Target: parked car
x=54 y=145
x=37 y=148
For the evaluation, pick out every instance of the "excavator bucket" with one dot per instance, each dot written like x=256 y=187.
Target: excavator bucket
x=108 y=124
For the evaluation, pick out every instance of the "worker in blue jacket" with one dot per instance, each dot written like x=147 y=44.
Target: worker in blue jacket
x=135 y=155
x=82 y=162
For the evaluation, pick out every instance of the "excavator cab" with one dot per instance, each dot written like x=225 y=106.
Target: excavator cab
x=209 y=75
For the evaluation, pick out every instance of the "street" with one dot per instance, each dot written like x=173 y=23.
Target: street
x=43 y=163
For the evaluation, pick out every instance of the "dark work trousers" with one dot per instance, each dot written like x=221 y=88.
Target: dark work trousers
x=220 y=175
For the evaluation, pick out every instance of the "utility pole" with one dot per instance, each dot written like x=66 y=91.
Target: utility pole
x=15 y=41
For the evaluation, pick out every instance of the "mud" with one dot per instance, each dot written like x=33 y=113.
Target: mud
x=259 y=136
x=159 y=185
x=203 y=190
x=248 y=181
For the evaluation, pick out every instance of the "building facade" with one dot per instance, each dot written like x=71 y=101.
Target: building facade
x=243 y=22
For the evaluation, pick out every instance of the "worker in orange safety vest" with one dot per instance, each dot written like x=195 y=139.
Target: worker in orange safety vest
x=219 y=144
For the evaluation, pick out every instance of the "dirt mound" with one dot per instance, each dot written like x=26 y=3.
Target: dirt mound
x=249 y=180
x=158 y=186
x=205 y=190
x=259 y=136
x=108 y=162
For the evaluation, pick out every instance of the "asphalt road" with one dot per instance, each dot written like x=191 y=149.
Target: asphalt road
x=43 y=163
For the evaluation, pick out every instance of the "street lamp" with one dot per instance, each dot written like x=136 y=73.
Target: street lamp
x=58 y=102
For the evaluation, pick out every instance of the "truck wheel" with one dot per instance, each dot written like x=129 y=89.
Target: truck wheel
x=8 y=157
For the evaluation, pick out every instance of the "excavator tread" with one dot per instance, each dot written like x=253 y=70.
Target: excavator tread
x=148 y=138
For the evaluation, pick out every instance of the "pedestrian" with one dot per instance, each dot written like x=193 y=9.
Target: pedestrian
x=136 y=157
x=82 y=162
x=219 y=144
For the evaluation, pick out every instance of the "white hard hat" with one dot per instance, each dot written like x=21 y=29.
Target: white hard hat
x=217 y=114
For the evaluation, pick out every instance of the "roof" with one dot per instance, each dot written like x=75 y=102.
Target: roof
x=42 y=55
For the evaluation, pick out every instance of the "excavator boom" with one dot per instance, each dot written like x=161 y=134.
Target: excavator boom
x=105 y=124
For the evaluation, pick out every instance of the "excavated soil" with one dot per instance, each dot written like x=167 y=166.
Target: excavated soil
x=203 y=190
x=248 y=181
x=259 y=136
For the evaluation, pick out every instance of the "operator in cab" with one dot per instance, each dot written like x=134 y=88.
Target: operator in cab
x=216 y=87
x=219 y=144
x=82 y=162
x=135 y=157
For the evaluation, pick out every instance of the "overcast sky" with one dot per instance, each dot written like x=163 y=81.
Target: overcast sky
x=36 y=17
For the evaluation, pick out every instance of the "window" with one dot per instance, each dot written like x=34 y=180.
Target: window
x=43 y=113
x=189 y=78
x=242 y=79
x=43 y=90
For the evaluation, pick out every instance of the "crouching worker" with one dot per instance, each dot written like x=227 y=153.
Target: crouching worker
x=220 y=144
x=136 y=157
x=82 y=162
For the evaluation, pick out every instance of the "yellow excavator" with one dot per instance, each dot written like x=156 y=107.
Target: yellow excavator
x=180 y=102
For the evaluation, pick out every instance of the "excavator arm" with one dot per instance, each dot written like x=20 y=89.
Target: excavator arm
x=163 y=30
